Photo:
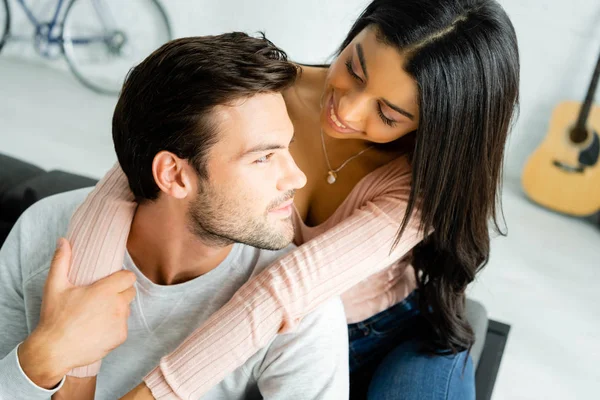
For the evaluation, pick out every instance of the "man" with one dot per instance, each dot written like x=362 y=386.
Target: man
x=202 y=133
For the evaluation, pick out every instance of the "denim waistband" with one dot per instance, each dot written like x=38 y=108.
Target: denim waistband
x=404 y=308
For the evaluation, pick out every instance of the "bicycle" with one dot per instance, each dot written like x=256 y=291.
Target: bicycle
x=100 y=39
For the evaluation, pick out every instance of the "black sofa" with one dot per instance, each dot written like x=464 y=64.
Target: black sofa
x=22 y=184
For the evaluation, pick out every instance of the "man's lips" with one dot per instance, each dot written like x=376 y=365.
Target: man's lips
x=284 y=207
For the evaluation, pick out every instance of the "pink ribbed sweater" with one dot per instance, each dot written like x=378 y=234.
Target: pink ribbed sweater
x=349 y=254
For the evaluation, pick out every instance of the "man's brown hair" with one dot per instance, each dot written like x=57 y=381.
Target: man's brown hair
x=167 y=101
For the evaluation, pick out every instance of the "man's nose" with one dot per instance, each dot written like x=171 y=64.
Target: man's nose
x=293 y=178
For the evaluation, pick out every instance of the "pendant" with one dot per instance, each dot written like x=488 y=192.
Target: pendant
x=331 y=177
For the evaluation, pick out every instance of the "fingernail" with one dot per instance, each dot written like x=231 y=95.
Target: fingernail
x=59 y=243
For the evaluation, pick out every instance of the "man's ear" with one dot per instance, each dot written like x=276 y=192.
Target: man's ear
x=173 y=175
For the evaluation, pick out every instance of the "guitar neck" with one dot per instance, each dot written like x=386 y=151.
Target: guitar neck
x=589 y=99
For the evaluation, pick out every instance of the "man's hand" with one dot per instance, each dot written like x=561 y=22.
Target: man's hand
x=78 y=325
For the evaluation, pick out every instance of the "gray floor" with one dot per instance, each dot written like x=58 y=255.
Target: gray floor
x=543 y=279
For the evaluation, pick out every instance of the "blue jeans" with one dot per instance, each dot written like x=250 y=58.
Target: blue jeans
x=386 y=362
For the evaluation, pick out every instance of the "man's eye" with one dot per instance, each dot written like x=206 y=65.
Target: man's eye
x=264 y=159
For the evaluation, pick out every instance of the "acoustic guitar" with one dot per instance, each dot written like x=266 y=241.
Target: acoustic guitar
x=563 y=174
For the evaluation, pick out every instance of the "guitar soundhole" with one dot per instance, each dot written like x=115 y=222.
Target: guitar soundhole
x=588 y=156
x=578 y=135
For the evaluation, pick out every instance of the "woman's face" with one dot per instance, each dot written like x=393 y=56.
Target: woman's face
x=368 y=95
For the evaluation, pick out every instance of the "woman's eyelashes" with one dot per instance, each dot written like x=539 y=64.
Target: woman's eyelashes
x=351 y=71
x=386 y=120
x=354 y=75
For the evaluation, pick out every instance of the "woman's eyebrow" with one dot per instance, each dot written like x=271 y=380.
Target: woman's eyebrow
x=363 y=64
x=400 y=110
x=361 y=59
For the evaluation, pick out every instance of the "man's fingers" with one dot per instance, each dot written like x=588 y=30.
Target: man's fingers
x=118 y=282
x=129 y=294
x=58 y=275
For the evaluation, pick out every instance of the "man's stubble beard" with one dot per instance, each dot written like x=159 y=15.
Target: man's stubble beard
x=221 y=222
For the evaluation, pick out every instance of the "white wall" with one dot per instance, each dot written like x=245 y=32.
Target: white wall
x=559 y=43
x=309 y=31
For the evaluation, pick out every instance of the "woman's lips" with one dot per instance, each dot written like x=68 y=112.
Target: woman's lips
x=335 y=121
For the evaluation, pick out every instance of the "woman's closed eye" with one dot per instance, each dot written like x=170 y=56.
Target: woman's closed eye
x=351 y=71
x=386 y=120
x=354 y=75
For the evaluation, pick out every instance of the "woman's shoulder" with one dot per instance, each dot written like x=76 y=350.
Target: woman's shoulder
x=315 y=71
x=307 y=89
x=391 y=181
x=395 y=174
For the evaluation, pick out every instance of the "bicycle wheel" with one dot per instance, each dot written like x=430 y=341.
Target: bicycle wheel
x=104 y=39
x=4 y=22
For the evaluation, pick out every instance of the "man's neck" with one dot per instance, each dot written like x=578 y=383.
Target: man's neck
x=165 y=250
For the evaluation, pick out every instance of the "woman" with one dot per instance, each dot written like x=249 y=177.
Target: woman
x=403 y=134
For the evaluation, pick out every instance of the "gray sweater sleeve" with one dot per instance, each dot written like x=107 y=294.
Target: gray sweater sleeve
x=14 y=384
x=310 y=363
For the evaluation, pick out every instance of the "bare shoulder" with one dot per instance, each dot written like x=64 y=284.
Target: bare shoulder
x=305 y=95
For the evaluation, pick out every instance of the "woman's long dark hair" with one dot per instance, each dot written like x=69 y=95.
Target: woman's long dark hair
x=463 y=55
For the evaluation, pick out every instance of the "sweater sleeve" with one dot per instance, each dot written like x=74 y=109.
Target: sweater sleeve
x=98 y=234
x=276 y=300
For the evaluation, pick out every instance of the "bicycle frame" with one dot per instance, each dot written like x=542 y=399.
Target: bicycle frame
x=38 y=25
x=77 y=23
x=57 y=38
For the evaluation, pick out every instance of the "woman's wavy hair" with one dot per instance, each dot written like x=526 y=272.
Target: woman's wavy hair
x=464 y=58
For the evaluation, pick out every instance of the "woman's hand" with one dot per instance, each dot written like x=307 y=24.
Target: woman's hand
x=140 y=392
x=77 y=389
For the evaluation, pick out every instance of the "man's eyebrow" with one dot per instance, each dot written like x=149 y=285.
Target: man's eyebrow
x=398 y=109
x=361 y=59
x=260 y=148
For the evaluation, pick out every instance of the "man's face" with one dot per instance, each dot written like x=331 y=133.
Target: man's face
x=252 y=177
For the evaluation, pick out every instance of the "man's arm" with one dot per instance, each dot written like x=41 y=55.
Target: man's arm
x=77 y=326
x=19 y=362
x=311 y=362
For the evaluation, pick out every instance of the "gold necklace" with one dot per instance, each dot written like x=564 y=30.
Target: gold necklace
x=332 y=173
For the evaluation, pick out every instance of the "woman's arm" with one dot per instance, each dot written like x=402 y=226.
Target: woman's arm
x=141 y=392
x=77 y=389
x=276 y=300
x=98 y=234
x=272 y=302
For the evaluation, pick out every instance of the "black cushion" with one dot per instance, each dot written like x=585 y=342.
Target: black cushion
x=5 y=228
x=13 y=172
x=21 y=196
x=30 y=184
